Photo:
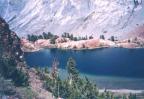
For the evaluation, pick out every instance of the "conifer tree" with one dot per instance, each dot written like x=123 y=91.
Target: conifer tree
x=72 y=71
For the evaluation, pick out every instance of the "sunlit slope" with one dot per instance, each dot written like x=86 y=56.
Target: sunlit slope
x=80 y=17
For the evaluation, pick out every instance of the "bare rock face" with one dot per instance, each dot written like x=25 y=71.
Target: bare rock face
x=80 y=17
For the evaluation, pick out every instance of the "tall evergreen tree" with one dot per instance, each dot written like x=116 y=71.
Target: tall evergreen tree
x=72 y=71
x=102 y=37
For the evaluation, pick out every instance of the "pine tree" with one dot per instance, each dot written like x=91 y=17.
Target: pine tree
x=102 y=37
x=112 y=38
x=72 y=71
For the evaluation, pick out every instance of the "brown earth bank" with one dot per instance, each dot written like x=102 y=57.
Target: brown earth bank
x=66 y=43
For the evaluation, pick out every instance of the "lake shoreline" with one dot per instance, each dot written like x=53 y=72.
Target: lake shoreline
x=122 y=91
x=91 y=44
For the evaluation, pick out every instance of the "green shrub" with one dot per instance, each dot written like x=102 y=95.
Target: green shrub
x=9 y=71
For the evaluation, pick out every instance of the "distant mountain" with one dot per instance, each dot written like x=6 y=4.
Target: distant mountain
x=80 y=17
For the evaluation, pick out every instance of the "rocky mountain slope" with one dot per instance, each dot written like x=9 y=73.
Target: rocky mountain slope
x=13 y=66
x=10 y=45
x=90 y=17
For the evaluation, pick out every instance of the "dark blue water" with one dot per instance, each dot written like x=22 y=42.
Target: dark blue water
x=115 y=68
x=108 y=61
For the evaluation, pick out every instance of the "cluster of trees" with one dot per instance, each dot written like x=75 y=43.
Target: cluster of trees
x=74 y=38
x=112 y=38
x=52 y=37
x=13 y=81
x=9 y=70
x=73 y=87
x=48 y=35
x=8 y=64
x=102 y=37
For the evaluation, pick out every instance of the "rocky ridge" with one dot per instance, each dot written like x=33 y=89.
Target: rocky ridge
x=11 y=48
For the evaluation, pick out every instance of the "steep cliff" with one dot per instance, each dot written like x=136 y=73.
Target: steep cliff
x=80 y=17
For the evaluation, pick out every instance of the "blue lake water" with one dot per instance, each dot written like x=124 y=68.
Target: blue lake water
x=108 y=67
